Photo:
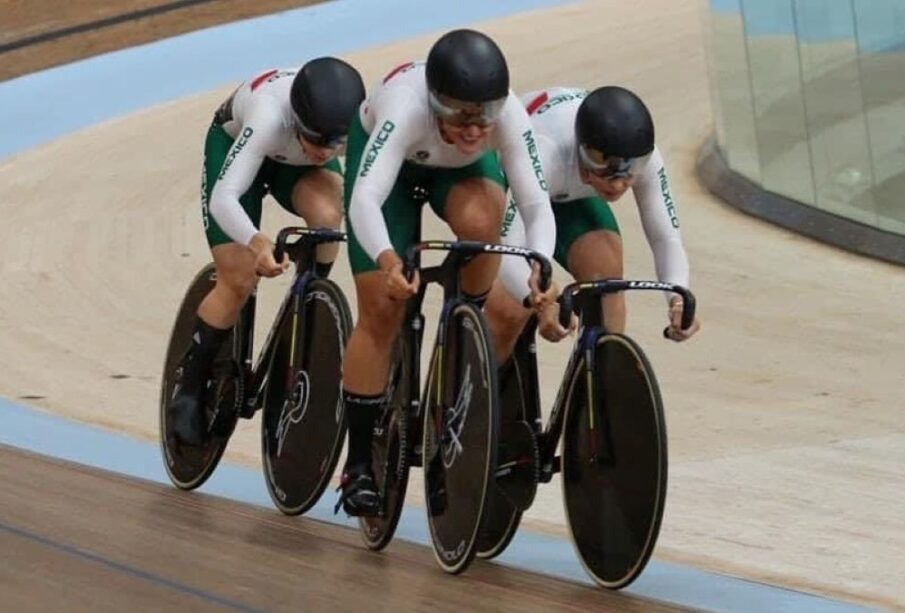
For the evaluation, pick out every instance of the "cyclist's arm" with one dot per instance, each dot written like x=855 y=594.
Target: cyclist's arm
x=521 y=161
x=514 y=272
x=660 y=220
x=239 y=171
x=381 y=160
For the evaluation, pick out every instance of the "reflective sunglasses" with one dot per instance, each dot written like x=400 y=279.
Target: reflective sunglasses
x=612 y=167
x=330 y=141
x=460 y=113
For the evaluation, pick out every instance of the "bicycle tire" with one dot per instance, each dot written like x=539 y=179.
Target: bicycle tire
x=614 y=474
x=188 y=467
x=502 y=518
x=459 y=456
x=391 y=450
x=303 y=426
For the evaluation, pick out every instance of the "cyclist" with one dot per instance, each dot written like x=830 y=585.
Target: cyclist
x=278 y=133
x=437 y=126
x=594 y=147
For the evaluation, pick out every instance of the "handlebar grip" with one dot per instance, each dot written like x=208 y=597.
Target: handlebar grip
x=565 y=309
x=546 y=273
x=280 y=249
x=411 y=262
x=688 y=309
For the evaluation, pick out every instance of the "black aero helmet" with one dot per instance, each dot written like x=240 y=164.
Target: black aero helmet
x=613 y=124
x=467 y=76
x=325 y=96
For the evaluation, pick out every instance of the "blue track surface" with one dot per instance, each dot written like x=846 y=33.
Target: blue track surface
x=68 y=440
x=45 y=105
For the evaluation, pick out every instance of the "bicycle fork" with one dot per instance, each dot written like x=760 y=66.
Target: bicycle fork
x=600 y=438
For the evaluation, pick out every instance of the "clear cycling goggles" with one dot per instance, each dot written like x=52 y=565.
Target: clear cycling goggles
x=318 y=139
x=460 y=113
x=604 y=167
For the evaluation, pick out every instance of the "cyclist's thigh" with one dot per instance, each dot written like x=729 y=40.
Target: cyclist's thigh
x=587 y=236
x=486 y=168
x=285 y=182
x=216 y=147
x=401 y=211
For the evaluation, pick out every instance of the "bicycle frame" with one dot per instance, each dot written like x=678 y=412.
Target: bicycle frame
x=446 y=275
x=591 y=328
x=302 y=253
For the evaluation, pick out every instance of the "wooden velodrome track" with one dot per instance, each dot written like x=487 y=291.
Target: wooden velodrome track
x=786 y=441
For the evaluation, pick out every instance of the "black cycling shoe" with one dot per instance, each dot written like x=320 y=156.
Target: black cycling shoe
x=359 y=496
x=187 y=406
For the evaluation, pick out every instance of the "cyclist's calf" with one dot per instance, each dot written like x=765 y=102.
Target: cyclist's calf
x=369 y=348
x=505 y=318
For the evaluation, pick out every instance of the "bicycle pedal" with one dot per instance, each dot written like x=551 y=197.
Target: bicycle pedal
x=248 y=410
x=502 y=472
x=415 y=457
x=548 y=470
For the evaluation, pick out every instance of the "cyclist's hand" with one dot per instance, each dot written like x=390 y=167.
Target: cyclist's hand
x=398 y=287
x=675 y=331
x=538 y=299
x=265 y=264
x=548 y=324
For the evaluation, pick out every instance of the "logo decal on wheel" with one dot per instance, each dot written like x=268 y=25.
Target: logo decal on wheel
x=294 y=408
x=334 y=311
x=455 y=420
x=455 y=553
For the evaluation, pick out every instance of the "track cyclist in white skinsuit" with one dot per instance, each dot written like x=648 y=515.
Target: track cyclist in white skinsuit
x=446 y=127
x=594 y=147
x=278 y=133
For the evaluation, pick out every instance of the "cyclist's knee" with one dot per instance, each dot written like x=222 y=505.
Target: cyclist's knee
x=507 y=316
x=596 y=255
x=236 y=277
x=328 y=216
x=317 y=197
x=379 y=316
x=475 y=210
x=235 y=289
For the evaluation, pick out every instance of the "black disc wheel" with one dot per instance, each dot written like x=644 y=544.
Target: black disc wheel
x=459 y=436
x=614 y=462
x=517 y=469
x=303 y=424
x=189 y=466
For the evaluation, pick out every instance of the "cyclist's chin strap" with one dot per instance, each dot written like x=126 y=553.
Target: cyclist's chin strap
x=477 y=300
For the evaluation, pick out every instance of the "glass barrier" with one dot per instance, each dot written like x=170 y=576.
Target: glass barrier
x=809 y=101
